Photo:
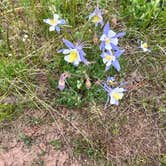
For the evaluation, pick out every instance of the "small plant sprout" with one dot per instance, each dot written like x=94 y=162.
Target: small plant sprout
x=74 y=53
x=96 y=17
x=109 y=39
x=55 y=23
x=144 y=47
x=111 y=59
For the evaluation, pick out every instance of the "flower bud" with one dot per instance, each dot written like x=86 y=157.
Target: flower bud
x=88 y=83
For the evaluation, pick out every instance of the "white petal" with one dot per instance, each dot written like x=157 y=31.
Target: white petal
x=112 y=101
x=121 y=95
x=145 y=49
x=66 y=51
x=52 y=28
x=114 y=41
x=108 y=47
x=103 y=37
x=118 y=90
x=47 y=21
x=105 y=60
x=109 y=63
x=91 y=15
x=67 y=58
x=110 y=52
x=111 y=33
x=76 y=63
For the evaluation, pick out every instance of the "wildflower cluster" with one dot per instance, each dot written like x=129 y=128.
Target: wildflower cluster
x=110 y=53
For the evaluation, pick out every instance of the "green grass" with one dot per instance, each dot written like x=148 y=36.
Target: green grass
x=10 y=70
x=33 y=66
x=57 y=144
x=141 y=13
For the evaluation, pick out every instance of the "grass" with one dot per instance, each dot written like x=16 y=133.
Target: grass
x=30 y=70
x=57 y=144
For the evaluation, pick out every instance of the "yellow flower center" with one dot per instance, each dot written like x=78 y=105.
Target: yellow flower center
x=109 y=57
x=111 y=82
x=107 y=41
x=116 y=96
x=145 y=45
x=96 y=19
x=53 y=21
x=73 y=56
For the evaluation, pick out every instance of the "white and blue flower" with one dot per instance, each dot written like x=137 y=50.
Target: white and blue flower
x=74 y=53
x=55 y=23
x=109 y=39
x=110 y=80
x=111 y=59
x=96 y=17
x=144 y=47
x=113 y=94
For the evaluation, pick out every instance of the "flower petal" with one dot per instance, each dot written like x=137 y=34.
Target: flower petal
x=113 y=101
x=118 y=53
x=121 y=34
x=103 y=55
x=114 y=41
x=62 y=21
x=107 y=68
x=67 y=58
x=82 y=58
x=111 y=33
x=103 y=37
x=109 y=63
x=57 y=29
x=106 y=28
x=68 y=43
x=46 y=20
x=76 y=63
x=66 y=51
x=61 y=50
x=116 y=65
x=91 y=15
x=52 y=28
x=114 y=47
x=108 y=47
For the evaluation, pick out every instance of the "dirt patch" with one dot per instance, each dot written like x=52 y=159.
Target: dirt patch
x=31 y=141
x=28 y=144
x=139 y=139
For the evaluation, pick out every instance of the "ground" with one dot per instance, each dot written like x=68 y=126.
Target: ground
x=39 y=125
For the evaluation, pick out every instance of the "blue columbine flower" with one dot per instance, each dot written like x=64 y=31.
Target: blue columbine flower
x=113 y=94
x=54 y=23
x=109 y=39
x=110 y=80
x=74 y=53
x=96 y=17
x=111 y=59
